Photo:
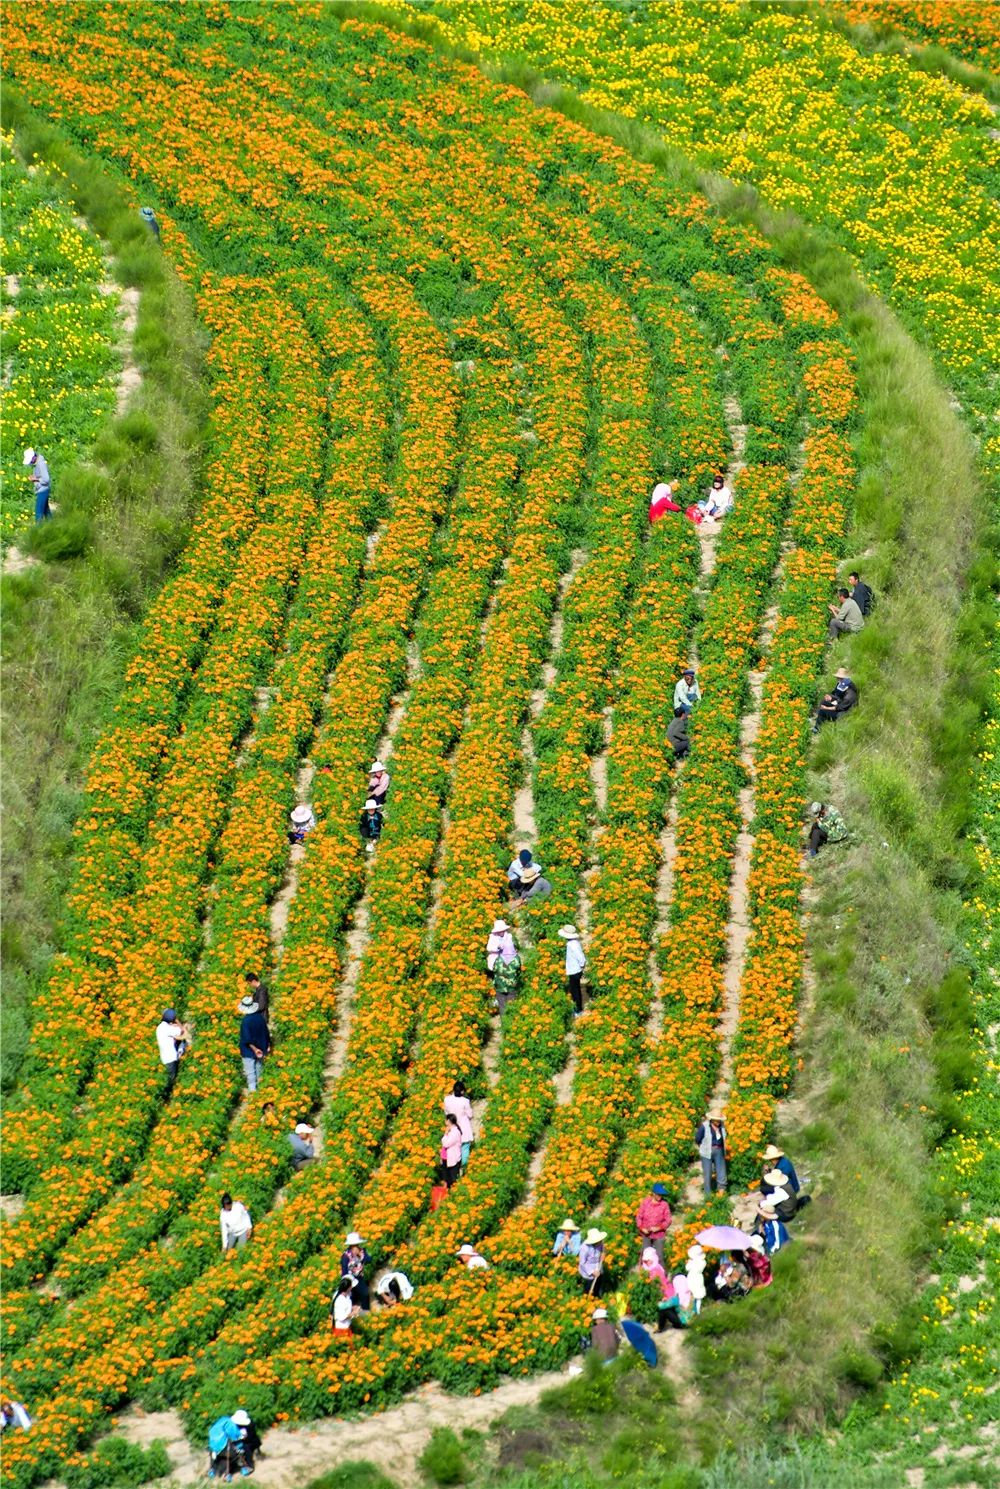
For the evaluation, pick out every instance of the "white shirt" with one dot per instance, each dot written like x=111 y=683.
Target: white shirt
x=343 y=1309
x=475 y=1262
x=402 y=1282
x=575 y=959
x=235 y=1222
x=167 y=1036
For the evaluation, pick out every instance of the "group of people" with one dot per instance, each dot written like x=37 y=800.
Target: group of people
x=503 y=964
x=851 y=608
x=372 y=817
x=233 y=1444
x=457 y=1137
x=353 y=1295
x=714 y=505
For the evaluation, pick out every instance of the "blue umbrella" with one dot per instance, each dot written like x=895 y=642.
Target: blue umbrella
x=640 y=1340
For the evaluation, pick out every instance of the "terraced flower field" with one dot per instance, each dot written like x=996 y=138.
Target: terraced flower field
x=455 y=342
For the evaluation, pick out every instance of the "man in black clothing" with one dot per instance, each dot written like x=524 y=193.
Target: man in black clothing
x=677 y=733
x=258 y=992
x=861 y=594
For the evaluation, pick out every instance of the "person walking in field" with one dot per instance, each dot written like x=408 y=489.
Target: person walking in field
x=687 y=692
x=576 y=963
x=258 y=993
x=458 y=1105
x=503 y=964
x=172 y=1041
x=235 y=1223
x=35 y=461
x=451 y=1150
x=845 y=616
x=343 y=1307
x=653 y=1219
x=710 y=1137
x=677 y=734
x=255 y=1042
x=370 y=825
x=354 y=1263
x=590 y=1262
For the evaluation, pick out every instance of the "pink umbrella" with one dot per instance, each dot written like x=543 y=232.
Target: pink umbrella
x=724 y=1238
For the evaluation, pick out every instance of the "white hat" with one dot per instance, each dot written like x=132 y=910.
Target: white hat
x=29 y=456
x=569 y=932
x=241 y=1418
x=568 y=1224
x=663 y=488
x=376 y=765
x=303 y=1129
x=766 y=1208
x=301 y=813
x=694 y=1252
x=775 y=1177
x=756 y=1243
x=597 y=1313
x=249 y=1005
x=466 y=1250
x=371 y=805
x=498 y=926
x=815 y=808
x=772 y=1152
x=353 y=1239
x=595 y=1237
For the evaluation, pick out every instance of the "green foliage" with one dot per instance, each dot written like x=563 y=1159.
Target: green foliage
x=117 y=1464
x=359 y=1475
x=443 y=1460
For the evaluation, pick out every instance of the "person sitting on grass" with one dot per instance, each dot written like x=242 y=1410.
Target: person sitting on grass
x=732 y=1280
x=568 y=1239
x=677 y=734
x=845 y=616
x=370 y=824
x=719 y=500
x=343 y=1309
x=779 y=1159
x=861 y=593
x=841 y=698
x=827 y=826
x=770 y=1229
x=772 y=1188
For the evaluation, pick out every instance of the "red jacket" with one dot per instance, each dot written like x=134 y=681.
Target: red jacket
x=653 y=1216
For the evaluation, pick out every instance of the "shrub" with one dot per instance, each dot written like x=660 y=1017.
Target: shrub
x=443 y=1461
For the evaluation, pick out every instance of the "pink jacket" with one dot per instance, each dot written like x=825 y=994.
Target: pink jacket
x=451 y=1146
x=653 y=1216
x=460 y=1107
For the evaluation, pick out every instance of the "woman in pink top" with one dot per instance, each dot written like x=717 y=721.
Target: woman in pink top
x=458 y=1105
x=451 y=1150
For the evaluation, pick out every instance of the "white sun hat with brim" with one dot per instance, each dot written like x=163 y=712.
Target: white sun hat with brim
x=756 y=1243
x=776 y=1177
x=569 y=933
x=376 y=765
x=301 y=814
x=569 y=1224
x=498 y=927
x=597 y=1313
x=595 y=1237
x=303 y=1129
x=371 y=805
x=466 y=1250
x=241 y=1418
x=29 y=456
x=249 y=1005
x=353 y=1239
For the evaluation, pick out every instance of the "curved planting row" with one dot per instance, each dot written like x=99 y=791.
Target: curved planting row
x=465 y=338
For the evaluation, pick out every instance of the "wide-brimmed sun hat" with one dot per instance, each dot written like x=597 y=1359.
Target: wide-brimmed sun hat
x=569 y=932
x=843 y=672
x=241 y=1418
x=371 y=805
x=466 y=1250
x=569 y=1224
x=772 y=1152
x=775 y=1177
x=599 y=1313
x=768 y=1211
x=595 y=1237
x=353 y=1239
x=249 y=1005
x=716 y=1114
x=376 y=765
x=530 y=874
x=498 y=927
x=303 y=1129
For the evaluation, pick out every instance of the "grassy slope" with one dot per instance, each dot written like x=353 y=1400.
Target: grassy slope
x=69 y=624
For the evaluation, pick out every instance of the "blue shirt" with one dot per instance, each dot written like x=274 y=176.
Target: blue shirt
x=788 y=1169
x=253 y=1030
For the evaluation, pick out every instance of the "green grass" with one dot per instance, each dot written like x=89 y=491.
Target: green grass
x=70 y=623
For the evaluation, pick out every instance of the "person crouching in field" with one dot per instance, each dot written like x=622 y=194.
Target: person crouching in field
x=235 y=1223
x=370 y=824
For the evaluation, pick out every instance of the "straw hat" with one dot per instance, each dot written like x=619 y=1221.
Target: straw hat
x=353 y=1239
x=775 y=1177
x=843 y=673
x=466 y=1250
x=248 y=1005
x=595 y=1237
x=498 y=927
x=717 y=1114
x=530 y=874
x=771 y=1152
x=569 y=933
x=598 y=1313
x=570 y=1225
x=766 y=1209
x=301 y=813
